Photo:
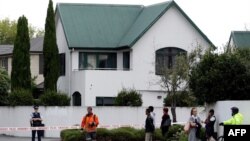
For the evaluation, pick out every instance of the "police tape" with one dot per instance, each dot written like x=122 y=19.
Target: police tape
x=9 y=129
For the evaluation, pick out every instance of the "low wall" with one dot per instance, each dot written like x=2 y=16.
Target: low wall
x=68 y=116
x=223 y=112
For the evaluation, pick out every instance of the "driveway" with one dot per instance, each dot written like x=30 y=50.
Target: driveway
x=7 y=138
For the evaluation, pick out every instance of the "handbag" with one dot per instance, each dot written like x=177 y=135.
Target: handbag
x=167 y=122
x=187 y=127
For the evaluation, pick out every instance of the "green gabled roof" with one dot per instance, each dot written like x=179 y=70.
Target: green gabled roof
x=145 y=20
x=241 y=39
x=96 y=26
x=100 y=26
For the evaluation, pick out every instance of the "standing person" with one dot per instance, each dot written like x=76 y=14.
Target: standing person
x=210 y=120
x=149 y=126
x=195 y=126
x=165 y=122
x=237 y=118
x=89 y=124
x=152 y=114
x=36 y=121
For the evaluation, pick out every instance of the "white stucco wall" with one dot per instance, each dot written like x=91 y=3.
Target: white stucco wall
x=63 y=83
x=34 y=68
x=68 y=116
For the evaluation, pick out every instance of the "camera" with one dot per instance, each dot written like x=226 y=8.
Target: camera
x=92 y=124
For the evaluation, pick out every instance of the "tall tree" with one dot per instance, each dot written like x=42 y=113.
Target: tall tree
x=20 y=74
x=50 y=50
x=8 y=29
x=175 y=79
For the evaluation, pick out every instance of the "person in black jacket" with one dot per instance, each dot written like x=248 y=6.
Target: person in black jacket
x=210 y=124
x=149 y=127
x=165 y=122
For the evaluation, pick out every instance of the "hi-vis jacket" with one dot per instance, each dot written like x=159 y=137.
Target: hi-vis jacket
x=237 y=119
x=90 y=123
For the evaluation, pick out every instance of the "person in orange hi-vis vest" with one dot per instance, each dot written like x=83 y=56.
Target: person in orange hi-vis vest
x=89 y=124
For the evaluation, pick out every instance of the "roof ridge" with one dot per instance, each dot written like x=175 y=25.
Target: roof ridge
x=241 y=31
x=98 y=4
x=156 y=4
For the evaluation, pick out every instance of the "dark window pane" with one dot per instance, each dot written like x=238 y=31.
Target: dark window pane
x=81 y=60
x=77 y=99
x=126 y=60
x=41 y=63
x=105 y=101
x=165 y=58
x=62 y=63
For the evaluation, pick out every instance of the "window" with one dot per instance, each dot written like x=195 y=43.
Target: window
x=41 y=63
x=62 y=64
x=105 y=101
x=77 y=100
x=165 y=58
x=126 y=60
x=97 y=60
x=4 y=63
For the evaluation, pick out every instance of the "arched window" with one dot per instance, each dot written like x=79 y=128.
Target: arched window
x=77 y=100
x=165 y=58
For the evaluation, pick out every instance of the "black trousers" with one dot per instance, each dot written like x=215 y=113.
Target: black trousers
x=39 y=134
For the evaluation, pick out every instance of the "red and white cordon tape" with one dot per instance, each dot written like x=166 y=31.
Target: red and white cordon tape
x=8 y=129
x=37 y=128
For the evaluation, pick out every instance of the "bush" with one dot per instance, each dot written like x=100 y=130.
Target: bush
x=4 y=87
x=72 y=135
x=20 y=97
x=128 y=98
x=183 y=99
x=52 y=98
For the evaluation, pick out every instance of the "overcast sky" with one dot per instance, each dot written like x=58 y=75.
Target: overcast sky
x=216 y=18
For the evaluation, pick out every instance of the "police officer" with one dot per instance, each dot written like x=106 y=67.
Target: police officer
x=36 y=121
x=237 y=118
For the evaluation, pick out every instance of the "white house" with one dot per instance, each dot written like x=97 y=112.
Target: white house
x=36 y=61
x=239 y=39
x=105 y=48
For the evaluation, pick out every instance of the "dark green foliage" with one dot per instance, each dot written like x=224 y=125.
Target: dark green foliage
x=50 y=50
x=128 y=98
x=20 y=74
x=4 y=87
x=52 y=98
x=222 y=77
x=20 y=97
x=183 y=99
x=123 y=134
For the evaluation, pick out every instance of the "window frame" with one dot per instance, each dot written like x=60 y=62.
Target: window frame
x=166 y=56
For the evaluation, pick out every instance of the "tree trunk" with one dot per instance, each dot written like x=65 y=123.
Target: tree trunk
x=173 y=113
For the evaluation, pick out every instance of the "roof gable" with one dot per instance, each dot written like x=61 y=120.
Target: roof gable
x=241 y=39
x=99 y=26
x=111 y=26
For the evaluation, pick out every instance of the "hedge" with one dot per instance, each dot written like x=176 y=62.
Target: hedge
x=126 y=134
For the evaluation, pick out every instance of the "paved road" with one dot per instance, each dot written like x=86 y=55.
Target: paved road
x=7 y=138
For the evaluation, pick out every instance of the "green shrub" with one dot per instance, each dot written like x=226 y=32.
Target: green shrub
x=118 y=134
x=72 y=135
x=52 y=98
x=20 y=97
x=4 y=87
x=128 y=98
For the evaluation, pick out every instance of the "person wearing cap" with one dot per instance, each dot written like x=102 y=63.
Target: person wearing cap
x=89 y=124
x=36 y=121
x=237 y=118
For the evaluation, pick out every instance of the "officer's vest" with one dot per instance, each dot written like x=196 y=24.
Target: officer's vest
x=36 y=115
